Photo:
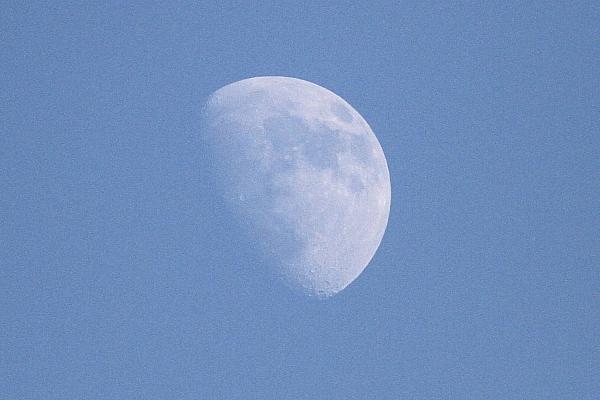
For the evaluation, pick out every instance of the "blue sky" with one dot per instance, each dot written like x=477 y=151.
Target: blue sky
x=119 y=280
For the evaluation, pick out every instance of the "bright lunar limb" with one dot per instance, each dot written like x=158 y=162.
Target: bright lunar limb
x=305 y=176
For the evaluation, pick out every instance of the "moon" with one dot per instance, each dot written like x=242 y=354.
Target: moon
x=302 y=173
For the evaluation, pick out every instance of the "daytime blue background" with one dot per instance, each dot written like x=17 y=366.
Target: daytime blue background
x=120 y=280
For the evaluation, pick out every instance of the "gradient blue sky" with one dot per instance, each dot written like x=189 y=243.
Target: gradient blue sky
x=119 y=280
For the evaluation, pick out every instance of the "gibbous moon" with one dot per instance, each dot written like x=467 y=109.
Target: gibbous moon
x=303 y=174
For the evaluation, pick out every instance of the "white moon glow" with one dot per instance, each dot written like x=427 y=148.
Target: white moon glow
x=304 y=174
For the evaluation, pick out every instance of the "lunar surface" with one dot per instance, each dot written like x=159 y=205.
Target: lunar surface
x=304 y=176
